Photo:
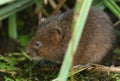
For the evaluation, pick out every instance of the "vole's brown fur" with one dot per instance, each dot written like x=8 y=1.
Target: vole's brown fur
x=51 y=39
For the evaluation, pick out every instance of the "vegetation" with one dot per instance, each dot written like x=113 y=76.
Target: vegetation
x=18 y=22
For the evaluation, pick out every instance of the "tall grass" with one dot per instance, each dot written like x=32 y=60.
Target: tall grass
x=80 y=14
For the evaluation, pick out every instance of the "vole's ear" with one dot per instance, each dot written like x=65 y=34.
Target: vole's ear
x=56 y=34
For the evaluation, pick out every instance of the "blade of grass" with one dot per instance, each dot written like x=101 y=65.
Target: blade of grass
x=15 y=7
x=81 y=8
x=115 y=5
x=31 y=66
x=26 y=55
x=112 y=6
x=5 y=1
x=98 y=4
x=12 y=30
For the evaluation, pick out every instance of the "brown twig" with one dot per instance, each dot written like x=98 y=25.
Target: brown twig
x=95 y=68
x=45 y=2
x=104 y=69
x=118 y=22
x=53 y=4
x=61 y=3
x=66 y=7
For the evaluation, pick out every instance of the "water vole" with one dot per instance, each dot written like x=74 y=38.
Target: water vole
x=52 y=37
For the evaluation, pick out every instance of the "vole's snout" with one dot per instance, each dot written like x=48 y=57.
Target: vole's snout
x=31 y=52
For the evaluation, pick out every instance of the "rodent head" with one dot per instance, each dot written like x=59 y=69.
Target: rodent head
x=51 y=40
x=44 y=42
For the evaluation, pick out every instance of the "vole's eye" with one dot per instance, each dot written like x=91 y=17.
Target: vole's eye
x=38 y=44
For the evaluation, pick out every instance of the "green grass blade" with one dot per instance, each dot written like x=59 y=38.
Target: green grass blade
x=113 y=7
x=82 y=9
x=12 y=26
x=98 y=4
x=5 y=1
x=15 y=7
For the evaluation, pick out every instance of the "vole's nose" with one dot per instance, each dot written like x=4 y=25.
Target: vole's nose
x=31 y=52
